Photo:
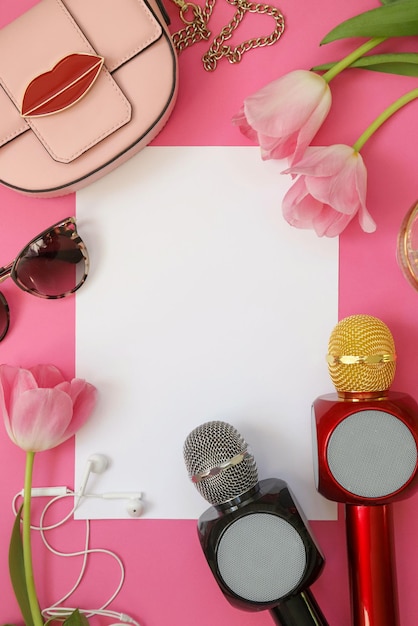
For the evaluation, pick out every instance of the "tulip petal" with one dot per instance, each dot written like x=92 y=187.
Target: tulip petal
x=83 y=397
x=15 y=377
x=47 y=376
x=19 y=381
x=5 y=392
x=284 y=105
x=321 y=161
x=343 y=199
x=311 y=127
x=330 y=223
x=240 y=120
x=299 y=208
x=285 y=114
x=366 y=221
x=39 y=408
x=13 y=382
x=273 y=148
x=40 y=418
x=347 y=186
x=329 y=191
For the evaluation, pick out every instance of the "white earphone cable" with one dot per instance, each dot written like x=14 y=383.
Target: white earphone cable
x=56 y=610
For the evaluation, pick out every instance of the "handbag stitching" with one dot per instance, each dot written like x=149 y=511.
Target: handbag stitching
x=153 y=20
x=127 y=108
x=126 y=117
x=157 y=34
x=162 y=32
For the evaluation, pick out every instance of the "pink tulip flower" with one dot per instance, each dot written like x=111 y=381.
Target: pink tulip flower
x=330 y=189
x=285 y=115
x=40 y=408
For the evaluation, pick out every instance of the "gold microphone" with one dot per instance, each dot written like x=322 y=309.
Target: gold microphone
x=366 y=439
x=361 y=356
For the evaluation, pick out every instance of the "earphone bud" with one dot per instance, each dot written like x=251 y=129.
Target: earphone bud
x=135 y=505
x=96 y=464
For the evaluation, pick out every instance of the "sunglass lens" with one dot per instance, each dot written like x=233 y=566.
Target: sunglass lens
x=4 y=316
x=52 y=266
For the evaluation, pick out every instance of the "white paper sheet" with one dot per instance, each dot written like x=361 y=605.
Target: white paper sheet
x=201 y=304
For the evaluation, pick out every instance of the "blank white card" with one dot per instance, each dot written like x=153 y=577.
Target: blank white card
x=202 y=304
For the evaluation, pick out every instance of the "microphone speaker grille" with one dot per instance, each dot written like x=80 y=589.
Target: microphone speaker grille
x=361 y=355
x=372 y=454
x=218 y=462
x=261 y=557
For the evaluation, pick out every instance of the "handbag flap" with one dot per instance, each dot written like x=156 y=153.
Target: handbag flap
x=129 y=27
x=38 y=48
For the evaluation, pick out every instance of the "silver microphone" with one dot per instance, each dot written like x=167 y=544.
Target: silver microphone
x=255 y=537
x=219 y=462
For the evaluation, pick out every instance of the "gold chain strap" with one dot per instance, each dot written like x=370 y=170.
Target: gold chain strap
x=196 y=29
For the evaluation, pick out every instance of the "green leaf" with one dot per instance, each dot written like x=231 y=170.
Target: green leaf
x=76 y=619
x=404 y=64
x=397 y=19
x=17 y=571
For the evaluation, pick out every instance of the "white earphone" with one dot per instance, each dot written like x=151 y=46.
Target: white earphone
x=97 y=464
x=134 y=504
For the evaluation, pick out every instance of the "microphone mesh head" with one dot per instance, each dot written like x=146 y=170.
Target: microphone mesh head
x=361 y=355
x=212 y=454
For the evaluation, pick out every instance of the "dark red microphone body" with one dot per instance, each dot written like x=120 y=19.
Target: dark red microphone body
x=366 y=440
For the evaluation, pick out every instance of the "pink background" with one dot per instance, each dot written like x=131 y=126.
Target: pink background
x=168 y=580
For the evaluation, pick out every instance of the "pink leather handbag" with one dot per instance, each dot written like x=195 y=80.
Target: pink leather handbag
x=84 y=85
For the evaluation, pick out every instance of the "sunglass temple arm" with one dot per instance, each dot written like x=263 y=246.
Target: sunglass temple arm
x=5 y=271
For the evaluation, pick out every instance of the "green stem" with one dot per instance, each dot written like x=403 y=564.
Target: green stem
x=387 y=113
x=353 y=56
x=26 y=540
